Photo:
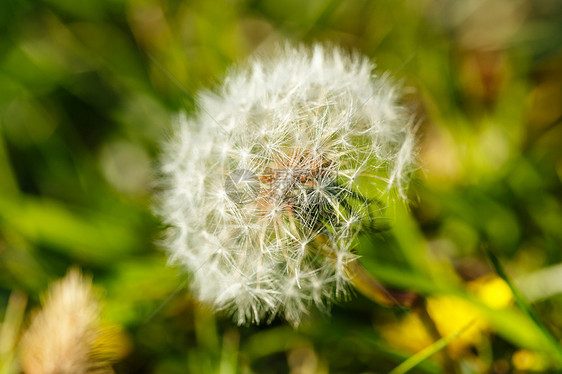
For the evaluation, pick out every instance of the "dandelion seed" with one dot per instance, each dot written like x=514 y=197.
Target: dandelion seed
x=265 y=215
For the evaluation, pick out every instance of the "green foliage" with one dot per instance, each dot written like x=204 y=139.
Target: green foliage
x=87 y=93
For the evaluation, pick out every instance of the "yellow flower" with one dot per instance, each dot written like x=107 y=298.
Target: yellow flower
x=450 y=315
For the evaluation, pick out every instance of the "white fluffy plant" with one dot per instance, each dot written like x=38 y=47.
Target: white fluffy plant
x=267 y=189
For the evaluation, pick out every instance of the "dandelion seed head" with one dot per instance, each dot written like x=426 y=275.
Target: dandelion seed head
x=265 y=210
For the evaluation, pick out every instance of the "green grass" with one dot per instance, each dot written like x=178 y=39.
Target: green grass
x=88 y=91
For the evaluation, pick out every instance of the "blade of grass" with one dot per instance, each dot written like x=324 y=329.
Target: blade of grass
x=427 y=352
x=88 y=236
x=229 y=353
x=525 y=306
x=10 y=331
x=512 y=323
x=371 y=341
x=8 y=182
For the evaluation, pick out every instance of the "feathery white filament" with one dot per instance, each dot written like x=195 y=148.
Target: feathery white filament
x=264 y=214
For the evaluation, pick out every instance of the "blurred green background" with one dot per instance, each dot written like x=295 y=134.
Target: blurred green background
x=87 y=92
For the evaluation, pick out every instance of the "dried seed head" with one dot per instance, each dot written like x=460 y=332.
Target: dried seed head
x=65 y=336
x=265 y=209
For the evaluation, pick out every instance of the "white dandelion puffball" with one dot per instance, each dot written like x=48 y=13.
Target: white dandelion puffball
x=268 y=187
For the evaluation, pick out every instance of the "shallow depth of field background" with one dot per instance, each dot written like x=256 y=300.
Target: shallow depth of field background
x=87 y=92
